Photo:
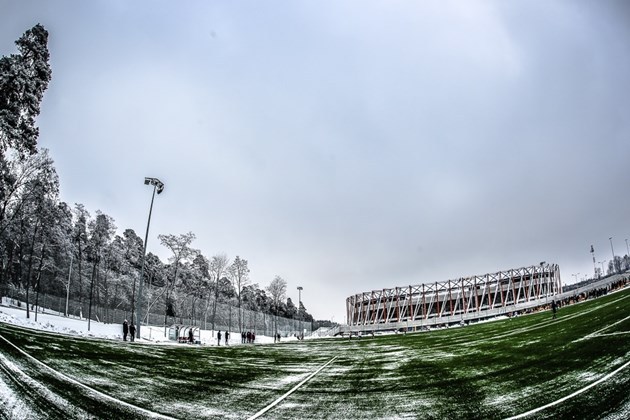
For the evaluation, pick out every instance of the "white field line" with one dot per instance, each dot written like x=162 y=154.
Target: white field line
x=579 y=391
x=597 y=333
x=291 y=391
x=613 y=333
x=99 y=393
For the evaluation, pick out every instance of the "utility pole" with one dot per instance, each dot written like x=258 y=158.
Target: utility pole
x=300 y=288
x=613 y=252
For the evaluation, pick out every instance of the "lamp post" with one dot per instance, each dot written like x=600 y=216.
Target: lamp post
x=540 y=278
x=576 y=276
x=300 y=288
x=158 y=186
x=627 y=249
x=613 y=252
x=602 y=263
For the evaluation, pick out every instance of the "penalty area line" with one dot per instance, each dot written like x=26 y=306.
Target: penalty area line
x=92 y=390
x=579 y=391
x=291 y=391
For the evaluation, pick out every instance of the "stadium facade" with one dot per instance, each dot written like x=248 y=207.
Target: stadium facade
x=453 y=301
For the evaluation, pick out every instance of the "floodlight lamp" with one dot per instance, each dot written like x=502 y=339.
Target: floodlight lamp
x=147 y=181
x=160 y=188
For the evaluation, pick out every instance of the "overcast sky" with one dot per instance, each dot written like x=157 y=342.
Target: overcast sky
x=346 y=145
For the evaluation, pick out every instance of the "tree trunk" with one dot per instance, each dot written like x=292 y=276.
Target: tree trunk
x=80 y=277
x=240 y=317
x=6 y=272
x=105 y=294
x=150 y=305
x=216 y=298
x=168 y=294
x=146 y=314
x=30 y=265
x=205 y=314
x=165 y=312
x=39 y=276
x=68 y=285
x=91 y=289
x=214 y=313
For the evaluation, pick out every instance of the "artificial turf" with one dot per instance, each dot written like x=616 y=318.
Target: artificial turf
x=488 y=370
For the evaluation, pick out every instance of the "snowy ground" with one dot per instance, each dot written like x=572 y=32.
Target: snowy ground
x=54 y=322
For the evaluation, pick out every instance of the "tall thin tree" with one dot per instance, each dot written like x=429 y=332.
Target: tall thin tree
x=239 y=274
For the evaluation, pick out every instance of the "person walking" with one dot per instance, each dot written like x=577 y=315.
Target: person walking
x=125 y=330
x=219 y=338
x=227 y=337
x=132 y=332
x=554 y=308
x=191 y=337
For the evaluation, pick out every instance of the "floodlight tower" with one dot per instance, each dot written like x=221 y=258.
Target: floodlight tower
x=158 y=186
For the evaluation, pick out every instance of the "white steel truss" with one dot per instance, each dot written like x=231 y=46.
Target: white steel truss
x=452 y=298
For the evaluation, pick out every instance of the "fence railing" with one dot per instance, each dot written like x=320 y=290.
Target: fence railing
x=225 y=317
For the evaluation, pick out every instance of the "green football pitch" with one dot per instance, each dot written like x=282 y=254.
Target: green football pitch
x=574 y=366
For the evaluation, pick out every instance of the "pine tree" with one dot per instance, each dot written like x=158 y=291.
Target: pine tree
x=23 y=79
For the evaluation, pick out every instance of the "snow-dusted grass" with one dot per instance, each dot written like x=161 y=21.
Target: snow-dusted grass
x=489 y=370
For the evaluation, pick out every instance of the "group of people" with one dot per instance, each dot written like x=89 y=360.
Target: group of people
x=591 y=294
x=227 y=338
x=129 y=330
x=248 y=337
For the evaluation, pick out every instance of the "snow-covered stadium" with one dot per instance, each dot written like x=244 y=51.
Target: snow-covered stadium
x=454 y=301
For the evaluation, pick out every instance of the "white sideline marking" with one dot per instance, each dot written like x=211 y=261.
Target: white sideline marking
x=99 y=393
x=291 y=391
x=579 y=391
x=597 y=333
x=613 y=333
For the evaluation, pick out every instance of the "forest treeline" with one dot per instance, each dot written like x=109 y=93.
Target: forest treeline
x=49 y=246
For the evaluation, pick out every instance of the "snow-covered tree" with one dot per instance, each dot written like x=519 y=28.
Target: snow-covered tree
x=179 y=245
x=239 y=274
x=277 y=289
x=23 y=79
